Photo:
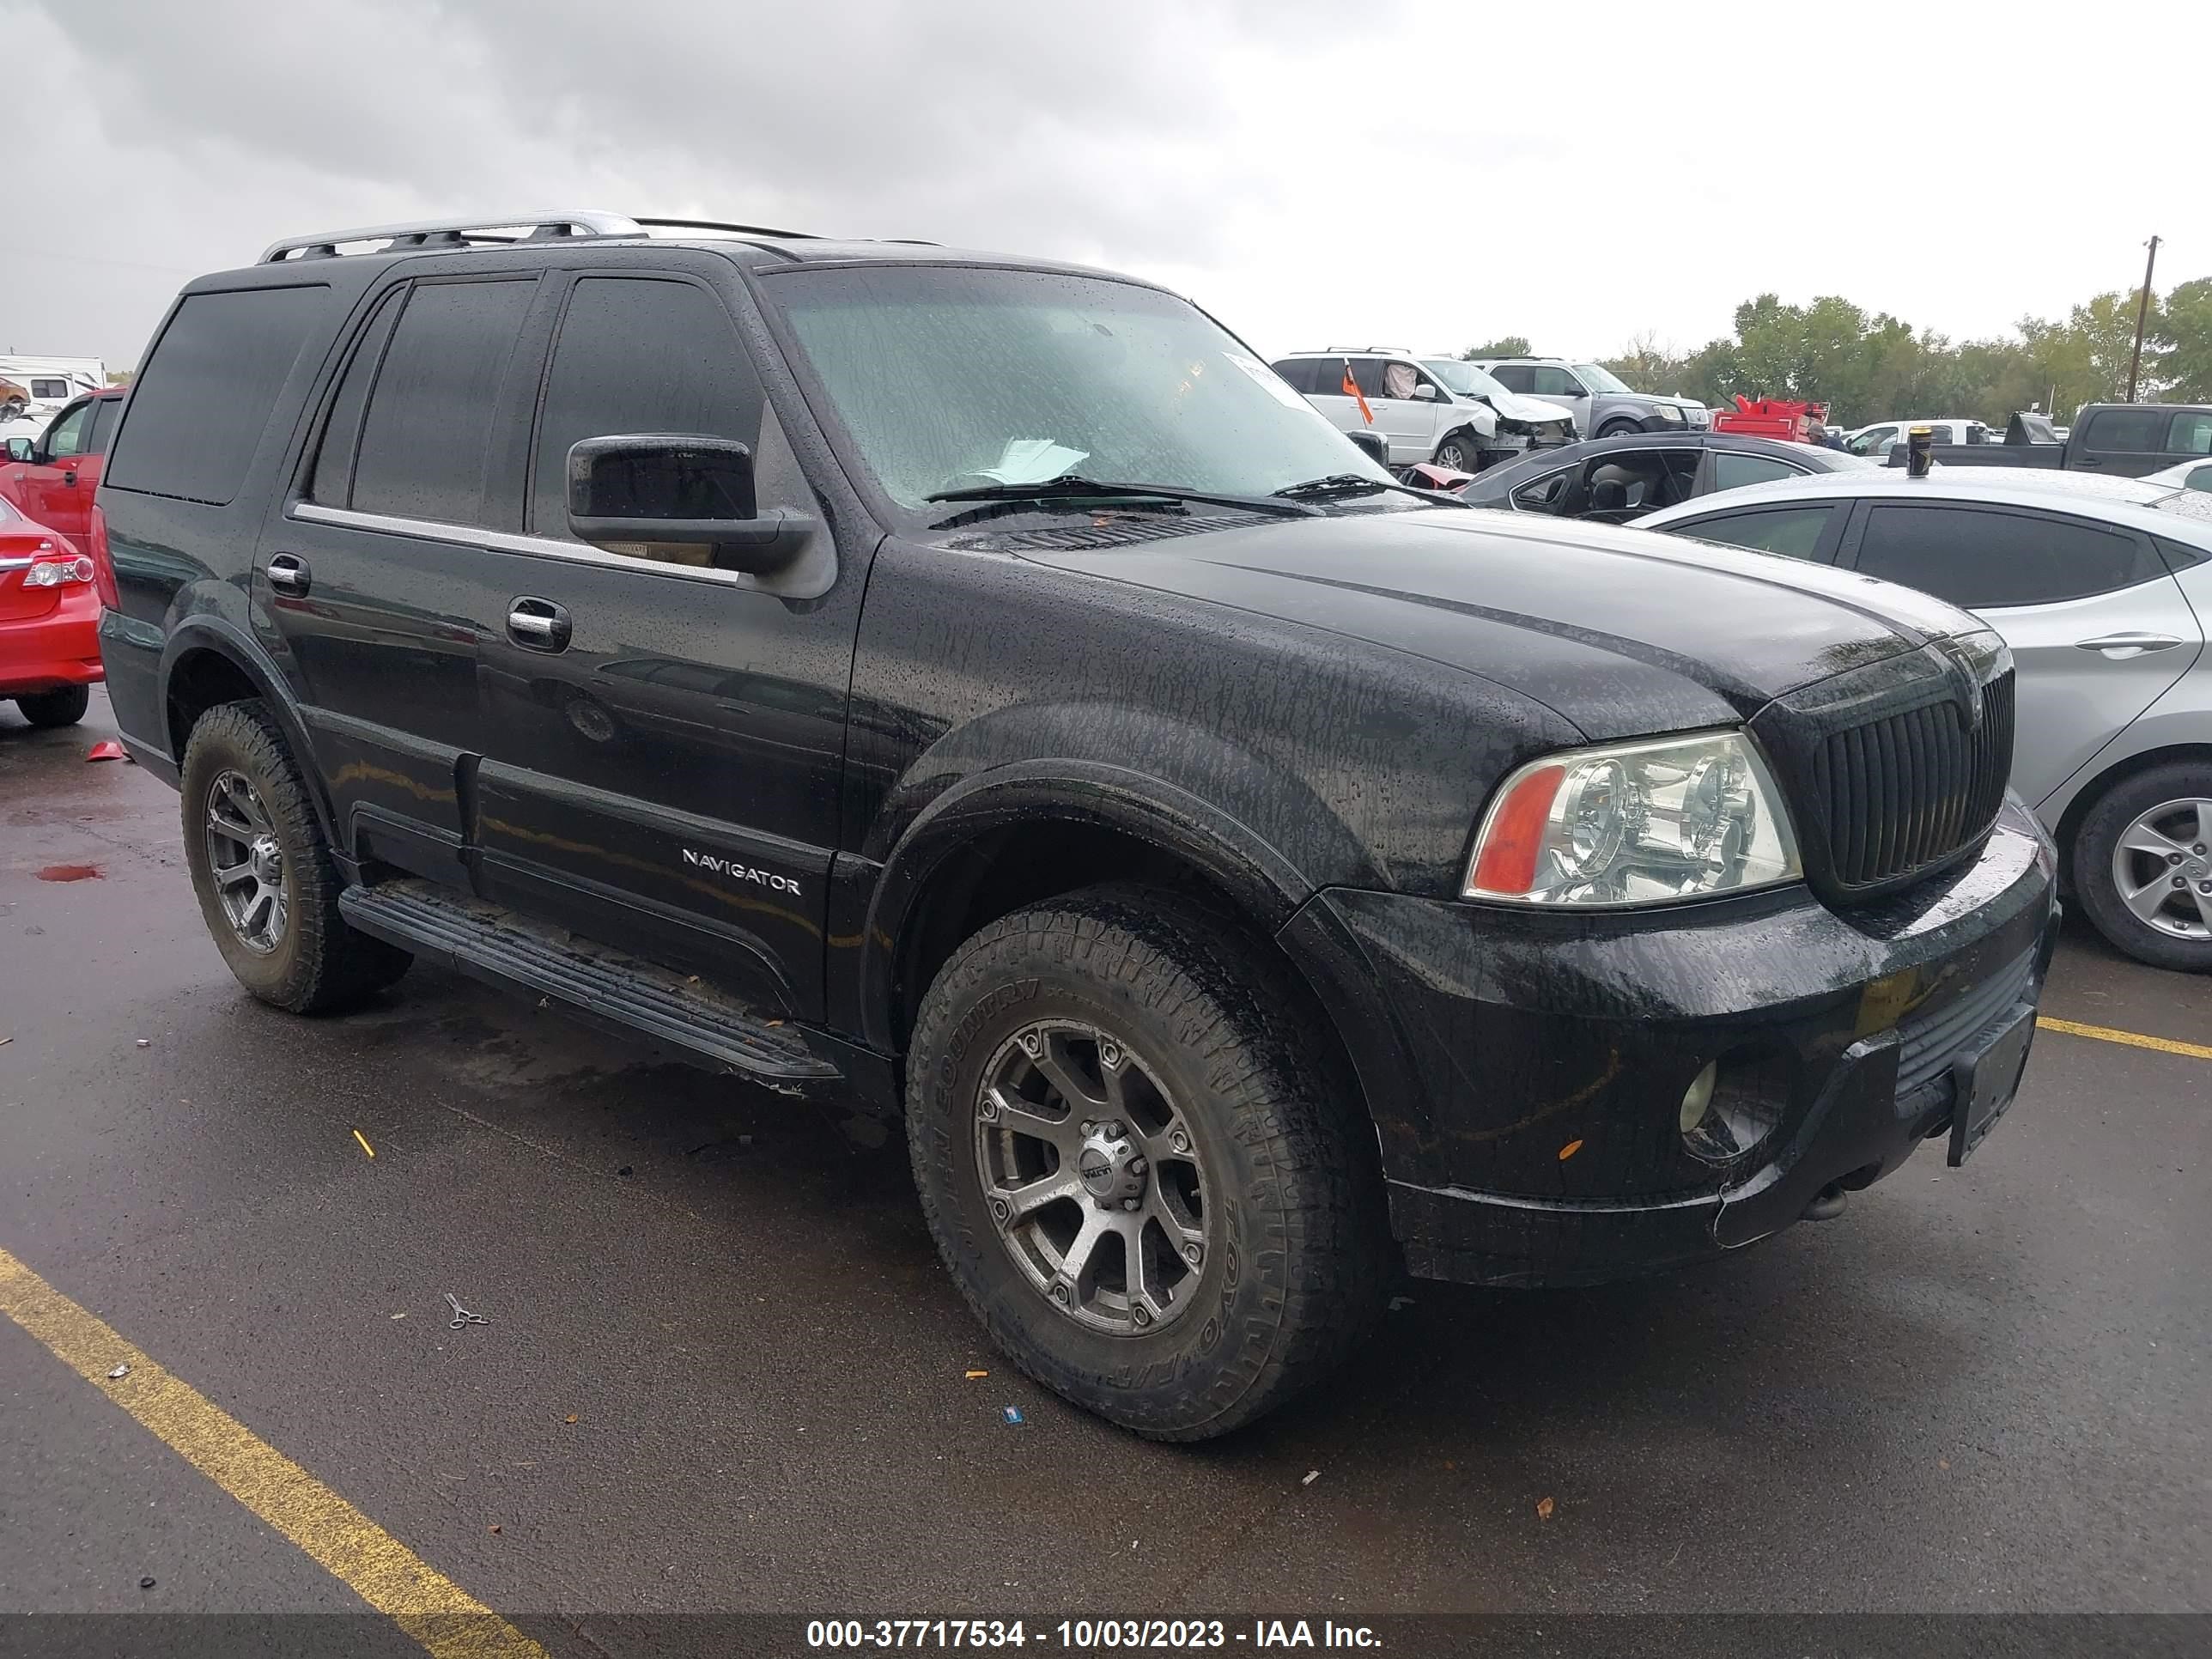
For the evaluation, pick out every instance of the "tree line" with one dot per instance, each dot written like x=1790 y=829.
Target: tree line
x=1870 y=366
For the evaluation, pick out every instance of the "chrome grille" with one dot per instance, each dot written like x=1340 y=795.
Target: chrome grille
x=1904 y=791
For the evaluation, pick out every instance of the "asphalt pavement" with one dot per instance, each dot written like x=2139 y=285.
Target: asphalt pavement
x=725 y=1372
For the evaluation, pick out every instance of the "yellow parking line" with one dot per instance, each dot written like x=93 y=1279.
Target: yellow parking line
x=376 y=1566
x=2132 y=1039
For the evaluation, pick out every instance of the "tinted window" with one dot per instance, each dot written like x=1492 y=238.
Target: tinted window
x=1795 y=530
x=1367 y=372
x=2190 y=434
x=1732 y=470
x=1514 y=377
x=1544 y=495
x=103 y=425
x=1548 y=381
x=199 y=406
x=1302 y=373
x=1975 y=557
x=429 y=425
x=66 y=438
x=333 y=477
x=635 y=354
x=2126 y=428
x=2180 y=555
x=50 y=389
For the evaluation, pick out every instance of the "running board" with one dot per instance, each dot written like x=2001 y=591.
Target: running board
x=504 y=948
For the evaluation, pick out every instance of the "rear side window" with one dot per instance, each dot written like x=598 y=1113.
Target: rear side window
x=2190 y=434
x=2126 y=428
x=1732 y=470
x=1514 y=377
x=428 y=426
x=1544 y=495
x=103 y=425
x=1982 y=559
x=198 y=407
x=1794 y=531
x=639 y=355
x=1300 y=371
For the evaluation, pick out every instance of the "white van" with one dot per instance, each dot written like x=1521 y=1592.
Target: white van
x=1427 y=409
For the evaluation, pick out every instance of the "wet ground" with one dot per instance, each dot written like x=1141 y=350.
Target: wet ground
x=726 y=1372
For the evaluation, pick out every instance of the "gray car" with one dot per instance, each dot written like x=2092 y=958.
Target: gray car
x=1603 y=405
x=2102 y=587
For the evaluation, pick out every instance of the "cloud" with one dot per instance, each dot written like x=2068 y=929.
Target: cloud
x=1420 y=172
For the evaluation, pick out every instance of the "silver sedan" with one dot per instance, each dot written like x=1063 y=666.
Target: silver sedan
x=2102 y=587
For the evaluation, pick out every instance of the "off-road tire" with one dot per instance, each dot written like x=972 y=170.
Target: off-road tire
x=319 y=965
x=51 y=709
x=1297 y=1260
x=2091 y=864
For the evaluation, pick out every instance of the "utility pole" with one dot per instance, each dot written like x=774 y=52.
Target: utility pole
x=2143 y=311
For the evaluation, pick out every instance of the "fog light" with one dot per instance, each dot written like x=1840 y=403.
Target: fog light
x=1698 y=1098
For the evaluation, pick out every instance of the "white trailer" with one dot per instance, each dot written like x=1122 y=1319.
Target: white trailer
x=48 y=382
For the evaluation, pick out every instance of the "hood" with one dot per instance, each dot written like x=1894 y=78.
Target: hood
x=1622 y=632
x=1515 y=406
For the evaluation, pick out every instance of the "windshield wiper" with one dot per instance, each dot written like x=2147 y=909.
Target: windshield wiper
x=1357 y=484
x=1072 y=487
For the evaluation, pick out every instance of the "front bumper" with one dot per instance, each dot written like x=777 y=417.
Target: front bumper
x=54 y=651
x=1539 y=1139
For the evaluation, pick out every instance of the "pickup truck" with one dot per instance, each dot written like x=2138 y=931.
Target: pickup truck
x=2127 y=441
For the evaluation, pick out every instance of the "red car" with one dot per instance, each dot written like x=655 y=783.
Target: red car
x=50 y=601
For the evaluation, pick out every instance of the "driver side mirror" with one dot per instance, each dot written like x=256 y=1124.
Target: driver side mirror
x=681 y=497
x=23 y=449
x=1426 y=393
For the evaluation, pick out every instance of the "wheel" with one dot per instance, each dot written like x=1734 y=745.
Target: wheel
x=1150 y=1177
x=1459 y=453
x=2143 y=866
x=63 y=708
x=263 y=870
x=1618 y=429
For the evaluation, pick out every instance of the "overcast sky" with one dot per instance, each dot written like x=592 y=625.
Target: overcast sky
x=1315 y=174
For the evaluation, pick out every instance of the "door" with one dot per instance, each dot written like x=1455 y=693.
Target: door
x=372 y=586
x=56 y=489
x=1412 y=423
x=2131 y=441
x=1554 y=385
x=665 y=745
x=2098 y=628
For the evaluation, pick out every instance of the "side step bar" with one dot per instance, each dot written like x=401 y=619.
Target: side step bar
x=501 y=947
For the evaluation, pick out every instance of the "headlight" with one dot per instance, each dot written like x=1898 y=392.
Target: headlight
x=1672 y=412
x=1635 y=823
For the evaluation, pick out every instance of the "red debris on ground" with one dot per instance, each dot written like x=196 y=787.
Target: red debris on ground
x=105 y=749
x=70 y=872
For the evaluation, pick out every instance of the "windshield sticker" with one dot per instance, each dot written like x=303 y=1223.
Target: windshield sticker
x=1032 y=460
x=1271 y=383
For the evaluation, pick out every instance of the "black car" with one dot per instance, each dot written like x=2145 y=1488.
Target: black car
x=984 y=687
x=1613 y=480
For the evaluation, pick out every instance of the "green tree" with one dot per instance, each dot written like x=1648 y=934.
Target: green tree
x=1506 y=345
x=2185 y=359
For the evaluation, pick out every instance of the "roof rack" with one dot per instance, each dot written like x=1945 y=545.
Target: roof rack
x=497 y=229
x=1401 y=350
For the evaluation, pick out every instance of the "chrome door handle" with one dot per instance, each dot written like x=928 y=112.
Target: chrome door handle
x=2120 y=647
x=538 y=625
x=288 y=574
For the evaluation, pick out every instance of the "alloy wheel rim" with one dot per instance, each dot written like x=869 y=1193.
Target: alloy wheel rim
x=2162 y=868
x=246 y=860
x=1092 y=1178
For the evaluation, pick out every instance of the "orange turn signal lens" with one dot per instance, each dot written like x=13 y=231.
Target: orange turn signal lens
x=1513 y=835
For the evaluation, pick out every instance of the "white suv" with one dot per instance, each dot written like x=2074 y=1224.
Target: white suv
x=1426 y=409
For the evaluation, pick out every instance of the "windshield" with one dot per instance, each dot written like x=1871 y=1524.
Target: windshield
x=1464 y=379
x=949 y=378
x=1598 y=378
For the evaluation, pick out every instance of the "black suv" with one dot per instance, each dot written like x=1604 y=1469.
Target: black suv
x=985 y=686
